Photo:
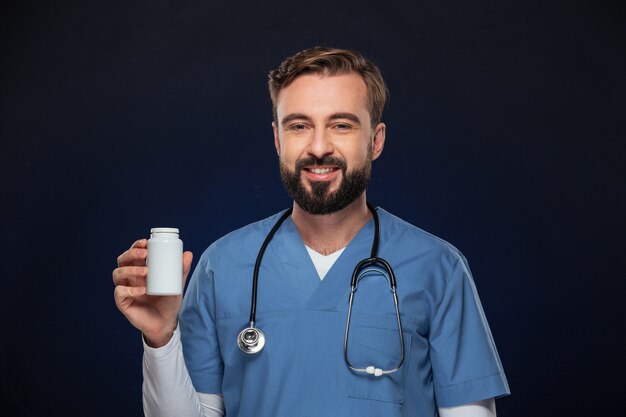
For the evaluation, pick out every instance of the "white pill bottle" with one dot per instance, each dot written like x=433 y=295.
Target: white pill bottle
x=165 y=262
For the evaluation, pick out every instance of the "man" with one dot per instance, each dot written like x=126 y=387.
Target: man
x=327 y=106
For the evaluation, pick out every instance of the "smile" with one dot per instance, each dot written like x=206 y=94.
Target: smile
x=323 y=173
x=321 y=170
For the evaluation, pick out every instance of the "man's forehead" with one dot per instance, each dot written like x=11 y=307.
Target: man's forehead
x=326 y=81
x=345 y=92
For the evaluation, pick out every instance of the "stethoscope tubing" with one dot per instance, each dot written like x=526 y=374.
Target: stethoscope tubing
x=270 y=236
x=358 y=273
x=257 y=264
x=251 y=340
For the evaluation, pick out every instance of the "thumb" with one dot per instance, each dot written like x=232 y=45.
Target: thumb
x=187 y=258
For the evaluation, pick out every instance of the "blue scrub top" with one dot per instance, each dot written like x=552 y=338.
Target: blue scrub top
x=450 y=356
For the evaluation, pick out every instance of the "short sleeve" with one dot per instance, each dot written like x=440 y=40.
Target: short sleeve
x=465 y=363
x=198 y=331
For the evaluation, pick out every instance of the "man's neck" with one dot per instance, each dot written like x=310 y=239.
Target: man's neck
x=330 y=232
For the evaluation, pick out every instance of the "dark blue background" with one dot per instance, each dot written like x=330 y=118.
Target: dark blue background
x=505 y=137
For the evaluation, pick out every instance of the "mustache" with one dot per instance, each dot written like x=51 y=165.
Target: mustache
x=327 y=160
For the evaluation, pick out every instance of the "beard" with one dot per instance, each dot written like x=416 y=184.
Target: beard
x=319 y=200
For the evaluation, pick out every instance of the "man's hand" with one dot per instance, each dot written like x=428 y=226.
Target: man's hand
x=154 y=316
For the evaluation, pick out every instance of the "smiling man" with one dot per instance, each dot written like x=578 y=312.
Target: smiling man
x=324 y=125
x=424 y=349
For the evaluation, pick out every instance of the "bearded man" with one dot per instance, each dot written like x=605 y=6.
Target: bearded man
x=325 y=348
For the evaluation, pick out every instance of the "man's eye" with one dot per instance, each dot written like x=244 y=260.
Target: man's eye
x=297 y=127
x=343 y=126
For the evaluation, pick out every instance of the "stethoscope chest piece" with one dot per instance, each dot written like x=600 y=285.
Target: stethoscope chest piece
x=251 y=340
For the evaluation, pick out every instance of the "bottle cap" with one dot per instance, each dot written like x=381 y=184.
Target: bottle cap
x=164 y=230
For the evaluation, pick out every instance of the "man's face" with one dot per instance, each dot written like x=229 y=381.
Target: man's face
x=325 y=141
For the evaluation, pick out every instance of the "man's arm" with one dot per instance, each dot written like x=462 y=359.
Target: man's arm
x=212 y=404
x=485 y=408
x=167 y=387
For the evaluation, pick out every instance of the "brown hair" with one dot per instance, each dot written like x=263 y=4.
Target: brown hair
x=331 y=61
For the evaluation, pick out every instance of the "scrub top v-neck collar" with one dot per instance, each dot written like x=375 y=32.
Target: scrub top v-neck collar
x=300 y=273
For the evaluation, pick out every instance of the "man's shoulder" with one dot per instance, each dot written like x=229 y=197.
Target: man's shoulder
x=393 y=228
x=245 y=238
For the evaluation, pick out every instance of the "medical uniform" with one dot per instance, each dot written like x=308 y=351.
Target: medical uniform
x=450 y=357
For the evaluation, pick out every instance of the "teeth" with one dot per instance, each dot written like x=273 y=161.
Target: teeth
x=321 y=170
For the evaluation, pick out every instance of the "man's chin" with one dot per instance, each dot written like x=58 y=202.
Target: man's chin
x=312 y=187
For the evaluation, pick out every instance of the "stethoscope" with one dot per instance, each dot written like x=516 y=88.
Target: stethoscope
x=251 y=340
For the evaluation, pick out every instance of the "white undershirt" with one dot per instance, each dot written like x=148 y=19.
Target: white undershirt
x=168 y=390
x=323 y=263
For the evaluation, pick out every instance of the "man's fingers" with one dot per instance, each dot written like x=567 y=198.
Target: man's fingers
x=141 y=243
x=124 y=294
x=133 y=276
x=136 y=255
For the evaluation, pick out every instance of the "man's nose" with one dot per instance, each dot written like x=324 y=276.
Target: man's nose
x=320 y=145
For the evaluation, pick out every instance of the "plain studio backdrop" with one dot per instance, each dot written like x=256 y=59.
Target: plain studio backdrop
x=505 y=137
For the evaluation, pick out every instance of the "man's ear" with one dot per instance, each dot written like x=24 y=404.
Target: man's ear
x=378 y=141
x=276 y=140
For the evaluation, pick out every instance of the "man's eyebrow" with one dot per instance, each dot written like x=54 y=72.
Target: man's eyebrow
x=295 y=116
x=301 y=116
x=348 y=116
